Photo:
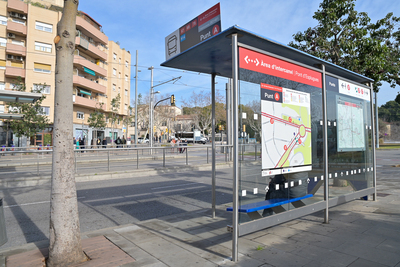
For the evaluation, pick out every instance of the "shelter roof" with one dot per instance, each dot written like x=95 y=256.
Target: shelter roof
x=214 y=55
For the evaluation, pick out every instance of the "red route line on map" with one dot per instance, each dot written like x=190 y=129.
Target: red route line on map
x=291 y=146
x=284 y=121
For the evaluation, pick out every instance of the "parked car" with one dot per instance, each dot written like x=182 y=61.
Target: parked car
x=142 y=140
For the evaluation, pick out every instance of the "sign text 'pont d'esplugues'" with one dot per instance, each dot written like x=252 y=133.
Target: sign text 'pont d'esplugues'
x=261 y=63
x=195 y=31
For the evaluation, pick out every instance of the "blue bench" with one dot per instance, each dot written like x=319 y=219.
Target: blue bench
x=274 y=204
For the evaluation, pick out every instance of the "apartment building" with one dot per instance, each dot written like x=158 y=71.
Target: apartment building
x=101 y=67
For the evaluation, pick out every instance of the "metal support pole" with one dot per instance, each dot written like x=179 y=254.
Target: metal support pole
x=255 y=152
x=187 y=160
x=136 y=99
x=108 y=159
x=207 y=156
x=37 y=164
x=213 y=143
x=325 y=148
x=137 y=159
x=376 y=116
x=235 y=216
x=228 y=116
x=164 y=157
x=151 y=112
x=373 y=141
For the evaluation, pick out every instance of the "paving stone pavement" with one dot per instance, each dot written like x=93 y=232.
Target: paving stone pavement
x=359 y=233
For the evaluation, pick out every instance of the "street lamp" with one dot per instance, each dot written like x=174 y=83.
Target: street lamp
x=151 y=103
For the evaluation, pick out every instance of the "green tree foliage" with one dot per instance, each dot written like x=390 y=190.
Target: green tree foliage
x=34 y=118
x=97 y=119
x=389 y=112
x=115 y=105
x=347 y=38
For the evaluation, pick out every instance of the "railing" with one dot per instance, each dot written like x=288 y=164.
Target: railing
x=95 y=159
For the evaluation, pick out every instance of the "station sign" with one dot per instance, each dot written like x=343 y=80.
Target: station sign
x=195 y=31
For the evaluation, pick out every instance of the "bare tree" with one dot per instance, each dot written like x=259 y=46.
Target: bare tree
x=199 y=105
x=65 y=239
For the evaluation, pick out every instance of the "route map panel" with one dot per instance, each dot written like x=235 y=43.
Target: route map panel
x=350 y=131
x=286 y=130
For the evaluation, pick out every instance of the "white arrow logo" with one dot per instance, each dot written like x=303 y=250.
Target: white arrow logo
x=251 y=60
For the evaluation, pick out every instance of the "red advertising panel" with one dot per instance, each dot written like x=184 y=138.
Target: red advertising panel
x=261 y=63
x=209 y=14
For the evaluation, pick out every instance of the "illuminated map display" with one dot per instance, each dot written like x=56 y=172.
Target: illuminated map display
x=350 y=125
x=286 y=130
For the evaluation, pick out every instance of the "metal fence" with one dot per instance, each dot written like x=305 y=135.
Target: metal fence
x=96 y=159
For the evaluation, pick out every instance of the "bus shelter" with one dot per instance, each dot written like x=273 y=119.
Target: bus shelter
x=315 y=123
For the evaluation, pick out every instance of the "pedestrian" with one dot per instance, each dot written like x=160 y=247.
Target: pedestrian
x=104 y=142
x=177 y=145
x=74 y=141
x=98 y=143
x=123 y=140
x=173 y=144
x=83 y=144
x=184 y=144
x=118 y=142
x=78 y=142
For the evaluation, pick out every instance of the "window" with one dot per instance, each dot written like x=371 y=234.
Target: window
x=3 y=20
x=126 y=106
x=126 y=92
x=18 y=43
x=3 y=41
x=45 y=111
x=2 y=64
x=114 y=87
x=126 y=78
x=1 y=108
x=45 y=89
x=44 y=68
x=119 y=60
x=43 y=27
x=164 y=123
x=114 y=72
x=119 y=75
x=126 y=64
x=18 y=21
x=2 y=86
x=43 y=47
x=80 y=115
x=114 y=56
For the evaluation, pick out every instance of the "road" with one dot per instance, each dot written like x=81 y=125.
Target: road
x=110 y=203
x=105 y=204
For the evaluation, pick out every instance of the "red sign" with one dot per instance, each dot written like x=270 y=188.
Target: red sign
x=261 y=63
x=209 y=14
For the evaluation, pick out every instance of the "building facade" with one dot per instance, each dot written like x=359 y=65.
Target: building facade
x=101 y=67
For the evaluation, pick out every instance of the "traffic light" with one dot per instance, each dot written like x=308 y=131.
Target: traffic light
x=154 y=128
x=172 y=100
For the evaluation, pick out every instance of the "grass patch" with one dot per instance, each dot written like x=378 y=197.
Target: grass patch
x=389 y=147
x=260 y=248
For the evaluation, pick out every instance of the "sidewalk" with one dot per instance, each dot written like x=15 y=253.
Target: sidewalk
x=360 y=233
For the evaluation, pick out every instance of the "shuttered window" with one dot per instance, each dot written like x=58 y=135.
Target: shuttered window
x=38 y=67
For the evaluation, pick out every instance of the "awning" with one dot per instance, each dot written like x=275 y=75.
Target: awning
x=18 y=96
x=84 y=92
x=11 y=116
x=89 y=71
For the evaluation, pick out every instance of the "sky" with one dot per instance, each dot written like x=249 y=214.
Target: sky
x=143 y=25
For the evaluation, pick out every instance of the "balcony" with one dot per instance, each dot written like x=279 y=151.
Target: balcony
x=86 y=63
x=16 y=28
x=15 y=49
x=88 y=84
x=90 y=30
x=85 y=102
x=14 y=72
x=17 y=5
x=92 y=50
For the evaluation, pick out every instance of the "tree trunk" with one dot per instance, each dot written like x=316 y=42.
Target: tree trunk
x=65 y=238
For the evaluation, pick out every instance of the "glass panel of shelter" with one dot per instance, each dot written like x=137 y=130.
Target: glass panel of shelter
x=253 y=185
